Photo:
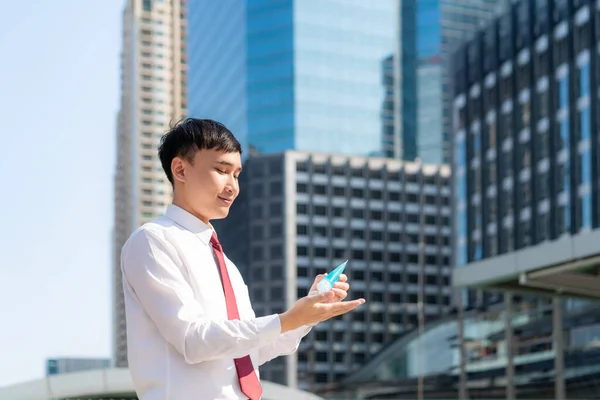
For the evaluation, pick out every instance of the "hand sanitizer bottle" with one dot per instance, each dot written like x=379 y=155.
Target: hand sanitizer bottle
x=326 y=284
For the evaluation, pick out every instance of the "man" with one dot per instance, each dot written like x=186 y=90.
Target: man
x=191 y=330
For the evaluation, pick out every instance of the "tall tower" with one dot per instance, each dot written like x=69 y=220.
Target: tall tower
x=153 y=82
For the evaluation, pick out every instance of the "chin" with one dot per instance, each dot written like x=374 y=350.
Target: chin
x=220 y=214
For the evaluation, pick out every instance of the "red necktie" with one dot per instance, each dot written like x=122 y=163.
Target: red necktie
x=248 y=380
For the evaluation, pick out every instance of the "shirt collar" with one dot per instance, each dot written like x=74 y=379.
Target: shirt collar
x=190 y=222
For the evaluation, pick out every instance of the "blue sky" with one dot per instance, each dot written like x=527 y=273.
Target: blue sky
x=59 y=92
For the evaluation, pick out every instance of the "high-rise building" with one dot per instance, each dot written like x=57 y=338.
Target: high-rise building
x=526 y=143
x=526 y=170
x=153 y=70
x=217 y=64
x=429 y=31
x=286 y=74
x=461 y=19
x=300 y=214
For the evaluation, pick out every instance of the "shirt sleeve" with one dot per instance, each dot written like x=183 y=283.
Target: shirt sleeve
x=152 y=270
x=286 y=344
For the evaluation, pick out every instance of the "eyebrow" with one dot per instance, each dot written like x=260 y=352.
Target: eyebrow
x=222 y=162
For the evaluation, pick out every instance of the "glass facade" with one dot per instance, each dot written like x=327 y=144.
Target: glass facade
x=323 y=75
x=429 y=81
x=294 y=75
x=526 y=138
x=430 y=29
x=271 y=82
x=460 y=20
x=407 y=70
x=585 y=139
x=217 y=73
x=338 y=48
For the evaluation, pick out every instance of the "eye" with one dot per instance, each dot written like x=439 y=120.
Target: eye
x=220 y=171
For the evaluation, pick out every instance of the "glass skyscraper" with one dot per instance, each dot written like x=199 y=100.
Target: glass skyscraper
x=526 y=142
x=417 y=110
x=460 y=20
x=429 y=81
x=217 y=63
x=286 y=74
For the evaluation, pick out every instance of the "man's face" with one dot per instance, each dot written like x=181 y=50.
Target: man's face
x=209 y=185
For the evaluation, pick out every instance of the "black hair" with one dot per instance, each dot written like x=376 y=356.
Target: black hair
x=190 y=135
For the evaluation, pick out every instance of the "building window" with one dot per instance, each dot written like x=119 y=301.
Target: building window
x=543 y=222
x=525 y=233
x=586 y=211
x=542 y=182
x=358 y=213
x=562 y=178
x=276 y=251
x=542 y=145
x=563 y=219
x=276 y=188
x=301 y=188
x=257 y=253
x=584 y=124
x=584 y=80
x=492 y=135
x=563 y=92
x=543 y=104
x=319 y=189
x=509 y=242
x=320 y=210
x=257 y=232
x=525 y=114
x=320 y=231
x=338 y=212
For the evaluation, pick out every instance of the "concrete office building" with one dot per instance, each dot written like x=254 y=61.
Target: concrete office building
x=153 y=68
x=300 y=214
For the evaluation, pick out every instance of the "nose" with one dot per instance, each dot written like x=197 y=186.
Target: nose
x=232 y=185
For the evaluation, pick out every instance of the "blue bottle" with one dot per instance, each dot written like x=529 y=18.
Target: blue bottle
x=326 y=284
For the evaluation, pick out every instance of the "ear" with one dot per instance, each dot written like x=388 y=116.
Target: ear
x=178 y=169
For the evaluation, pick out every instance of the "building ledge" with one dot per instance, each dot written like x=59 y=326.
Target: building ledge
x=568 y=267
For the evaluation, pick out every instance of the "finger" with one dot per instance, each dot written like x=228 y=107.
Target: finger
x=342 y=285
x=322 y=297
x=340 y=294
x=319 y=277
x=344 y=307
x=343 y=278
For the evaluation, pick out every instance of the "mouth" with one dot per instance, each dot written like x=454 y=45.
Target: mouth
x=226 y=200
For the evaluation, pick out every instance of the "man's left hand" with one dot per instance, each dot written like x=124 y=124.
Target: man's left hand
x=340 y=288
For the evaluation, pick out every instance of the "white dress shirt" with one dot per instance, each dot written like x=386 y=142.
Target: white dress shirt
x=180 y=343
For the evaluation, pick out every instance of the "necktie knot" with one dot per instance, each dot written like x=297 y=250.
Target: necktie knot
x=215 y=242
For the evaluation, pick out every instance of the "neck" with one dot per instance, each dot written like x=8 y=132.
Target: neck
x=181 y=203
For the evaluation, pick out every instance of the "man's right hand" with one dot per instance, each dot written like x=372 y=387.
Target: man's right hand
x=313 y=309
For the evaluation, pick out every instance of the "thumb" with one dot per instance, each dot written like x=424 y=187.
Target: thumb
x=322 y=297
